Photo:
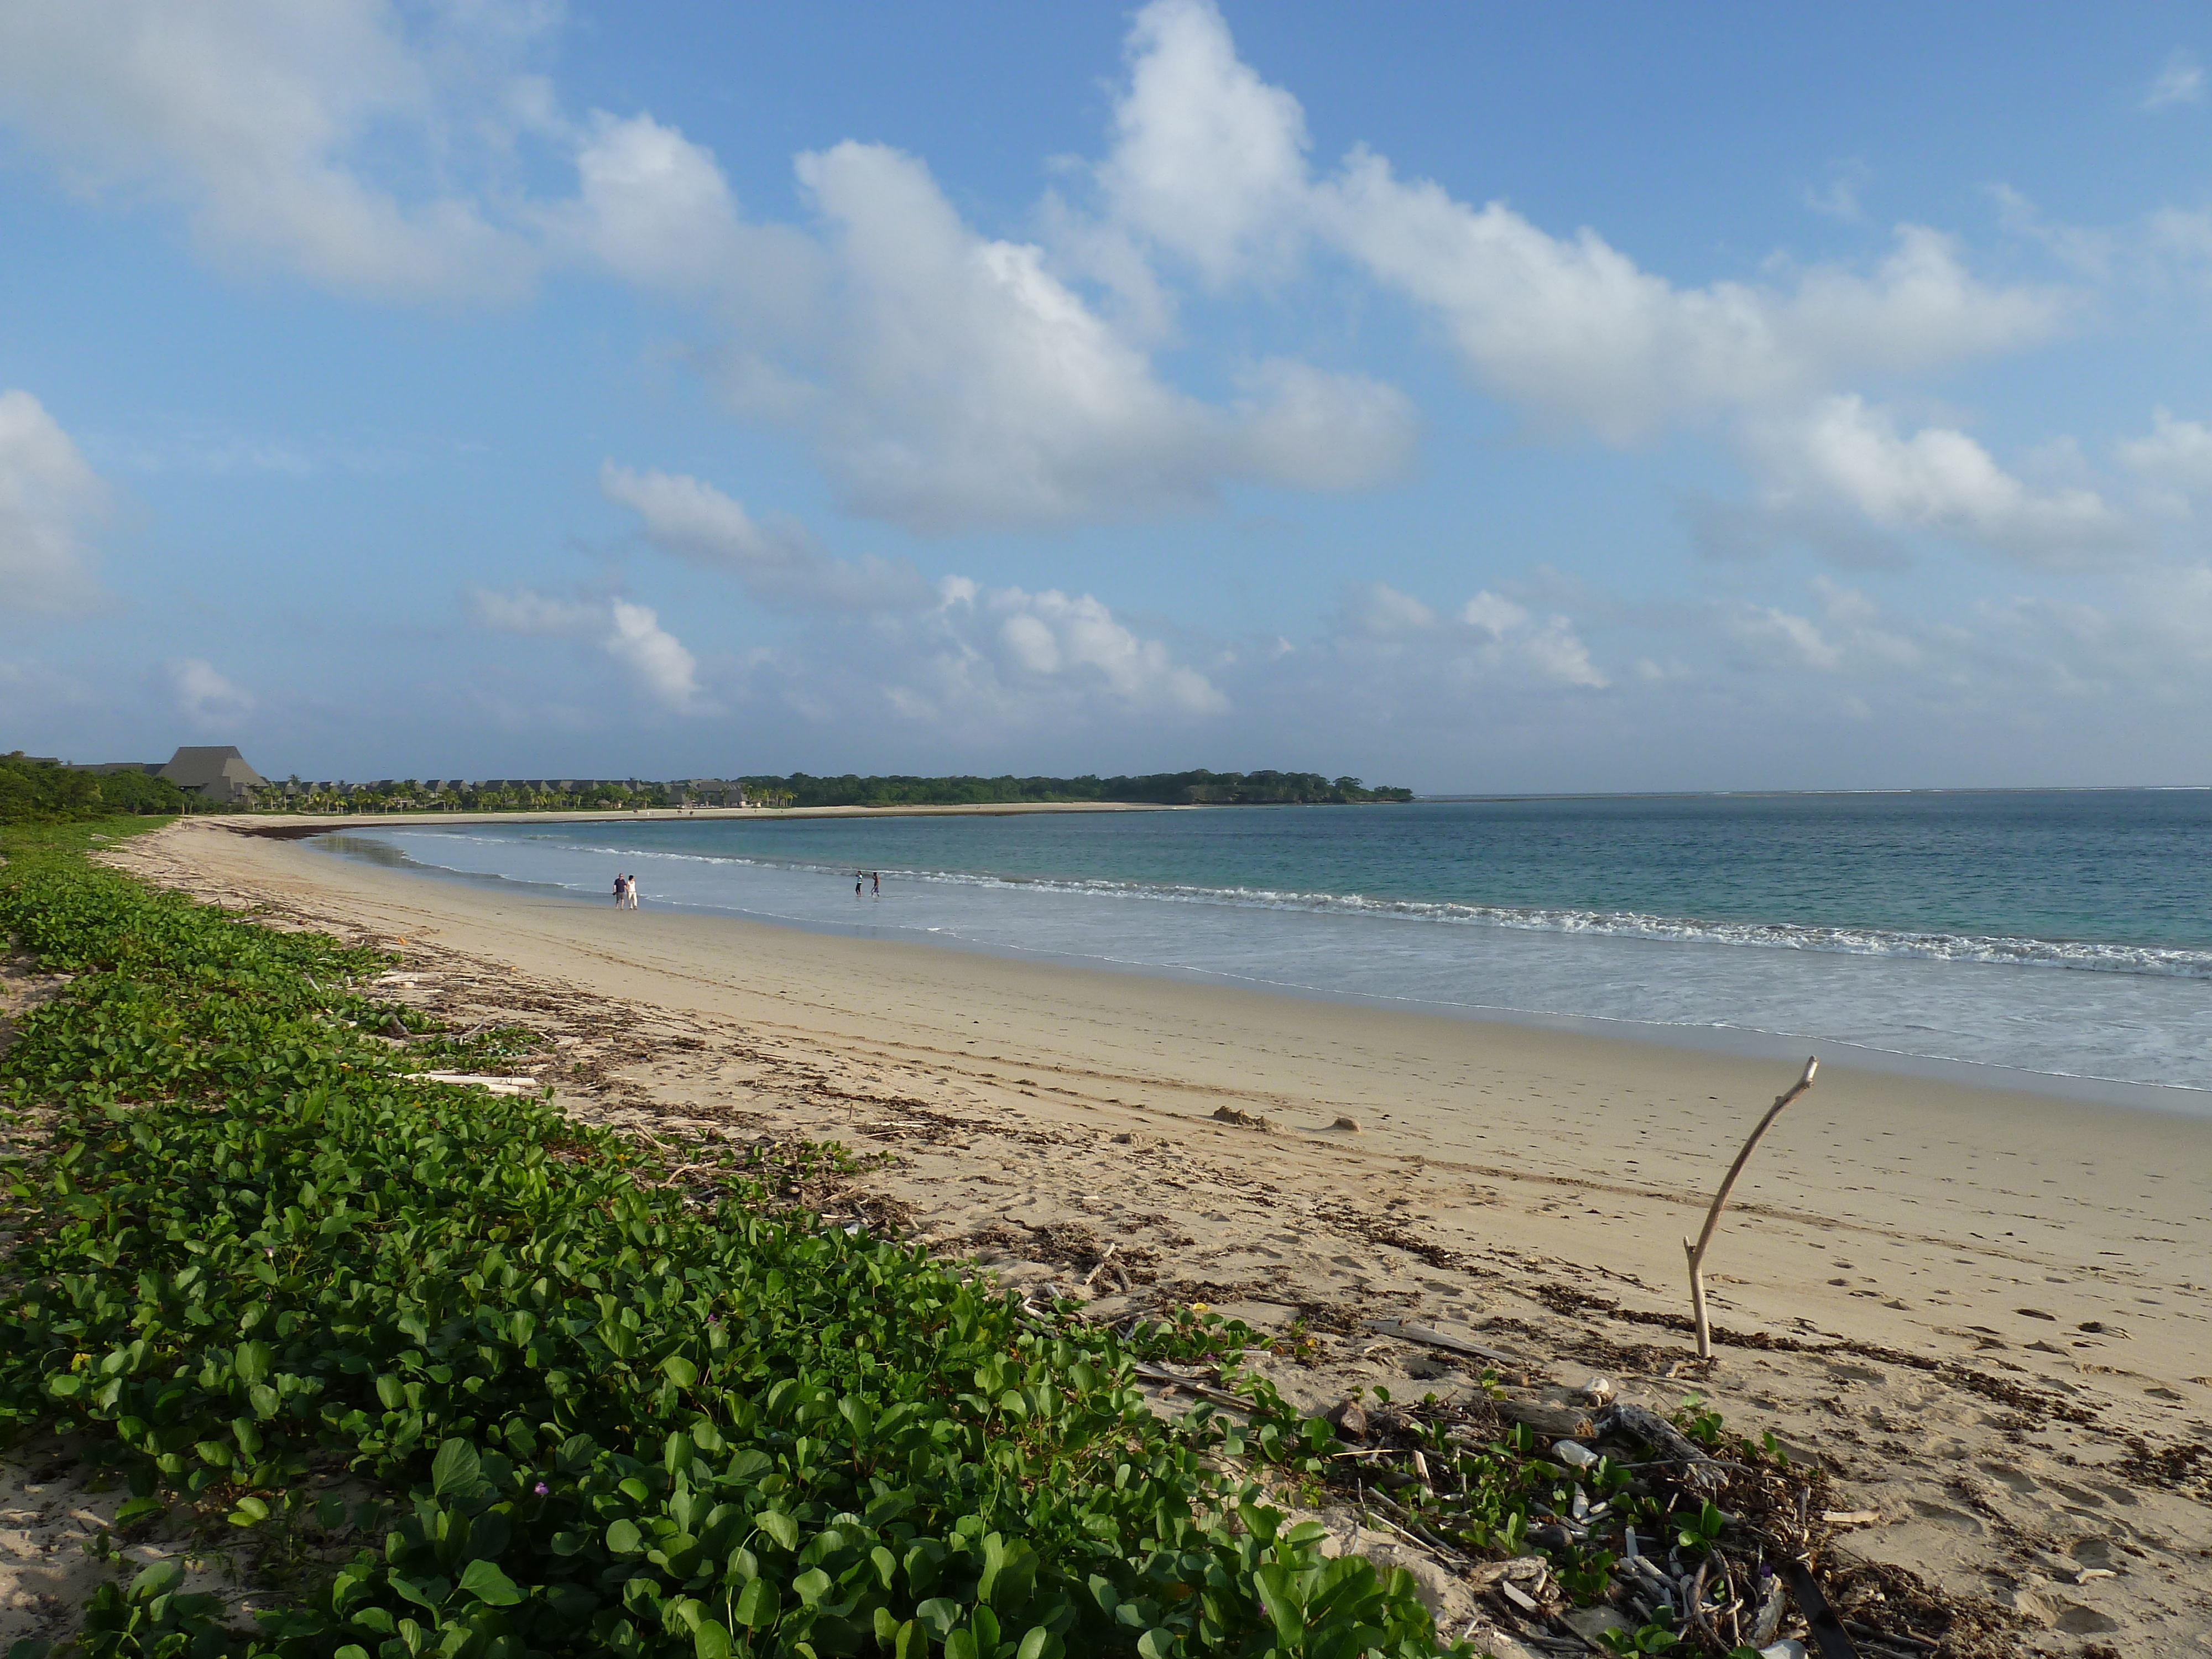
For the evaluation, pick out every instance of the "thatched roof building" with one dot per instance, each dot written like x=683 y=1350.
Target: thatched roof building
x=215 y=775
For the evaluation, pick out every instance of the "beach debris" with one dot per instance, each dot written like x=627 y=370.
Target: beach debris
x=2036 y=1313
x=1103 y=1259
x=1626 y=1422
x=1423 y=1334
x=1345 y=1120
x=1695 y=1252
x=1573 y=1454
x=1768 y=1621
x=1526 y=1568
x=497 y=1085
x=1547 y=1422
x=1591 y=1623
x=1851 y=1518
x=1191 y=1385
x=1245 y=1120
x=1821 y=1621
x=1348 y=1418
x=1789 y=1648
x=1598 y=1390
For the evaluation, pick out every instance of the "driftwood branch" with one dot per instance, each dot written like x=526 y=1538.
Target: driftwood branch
x=1699 y=1468
x=1695 y=1252
x=1428 y=1338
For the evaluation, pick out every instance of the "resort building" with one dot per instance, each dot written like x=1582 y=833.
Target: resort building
x=217 y=776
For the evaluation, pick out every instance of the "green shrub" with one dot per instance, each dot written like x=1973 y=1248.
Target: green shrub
x=40 y=792
x=613 y=1410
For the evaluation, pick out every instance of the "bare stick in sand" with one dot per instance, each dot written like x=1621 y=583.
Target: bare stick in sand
x=1697 y=1252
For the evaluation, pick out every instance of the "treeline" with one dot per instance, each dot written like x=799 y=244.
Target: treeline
x=41 y=791
x=412 y=795
x=1163 y=788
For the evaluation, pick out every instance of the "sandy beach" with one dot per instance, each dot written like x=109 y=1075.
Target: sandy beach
x=1985 y=1312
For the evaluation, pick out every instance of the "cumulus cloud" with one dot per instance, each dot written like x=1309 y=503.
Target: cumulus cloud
x=630 y=635
x=1770 y=630
x=1209 y=164
x=655 y=208
x=779 y=565
x=987 y=664
x=965 y=386
x=2176 y=454
x=1490 y=637
x=2180 y=80
x=1050 y=635
x=1207 y=159
x=258 y=119
x=50 y=499
x=205 y=696
x=1845 y=453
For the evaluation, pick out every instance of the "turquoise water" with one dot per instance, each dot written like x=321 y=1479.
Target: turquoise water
x=2066 y=932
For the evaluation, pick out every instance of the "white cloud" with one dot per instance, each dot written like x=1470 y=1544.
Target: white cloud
x=2183 y=237
x=49 y=497
x=1049 y=635
x=1377 y=612
x=1845 y=453
x=654 y=655
x=1491 y=638
x=963 y=384
x=987 y=663
x=2176 y=454
x=2090 y=251
x=655 y=208
x=1549 y=649
x=1209 y=164
x=257 y=118
x=205 y=696
x=1840 y=200
x=2179 y=81
x=631 y=635
x=778 y=565
x=1190 y=99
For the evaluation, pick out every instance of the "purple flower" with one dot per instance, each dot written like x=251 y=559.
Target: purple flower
x=715 y=1319
x=541 y=1489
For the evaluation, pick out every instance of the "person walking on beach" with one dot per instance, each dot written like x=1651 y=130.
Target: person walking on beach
x=629 y=891
x=876 y=880
x=621 y=882
x=859 y=881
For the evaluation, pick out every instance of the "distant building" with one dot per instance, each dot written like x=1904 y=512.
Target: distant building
x=217 y=776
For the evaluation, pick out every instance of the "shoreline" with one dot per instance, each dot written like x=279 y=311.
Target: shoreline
x=1741 y=1041
x=1982 y=1311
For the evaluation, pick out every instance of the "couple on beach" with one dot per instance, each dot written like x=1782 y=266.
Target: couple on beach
x=625 y=892
x=866 y=878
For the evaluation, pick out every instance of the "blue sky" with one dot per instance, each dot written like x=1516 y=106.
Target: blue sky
x=1571 y=398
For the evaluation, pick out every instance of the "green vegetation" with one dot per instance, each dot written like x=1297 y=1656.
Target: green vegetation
x=40 y=792
x=1169 y=788
x=799 y=789
x=452 y=1374
x=412 y=795
x=610 y=1405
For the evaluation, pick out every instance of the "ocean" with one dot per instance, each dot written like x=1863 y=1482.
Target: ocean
x=2063 y=933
